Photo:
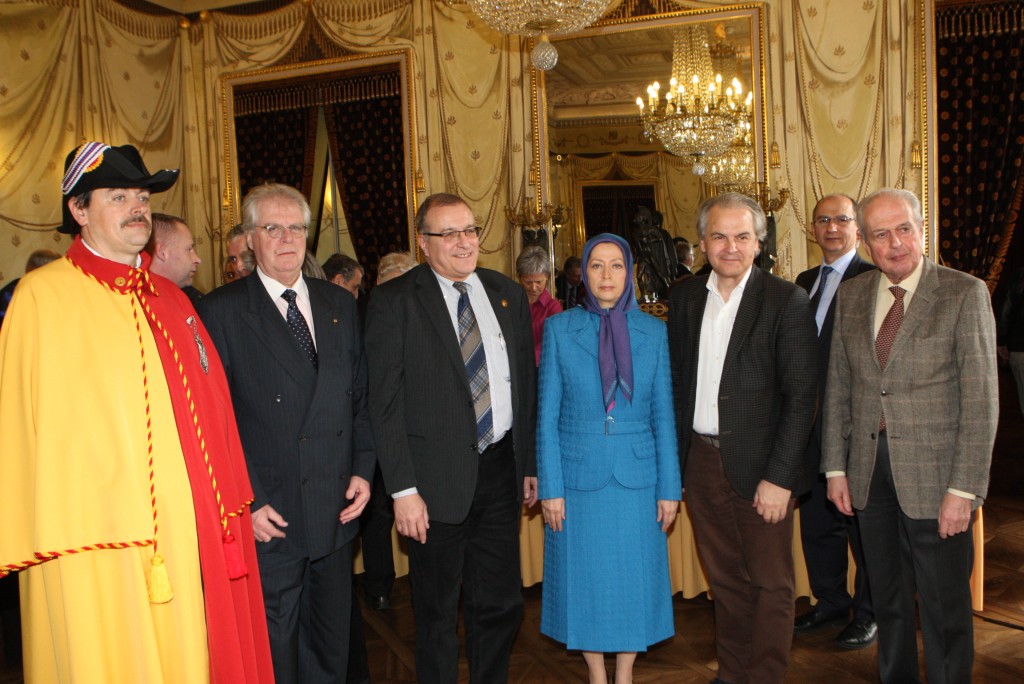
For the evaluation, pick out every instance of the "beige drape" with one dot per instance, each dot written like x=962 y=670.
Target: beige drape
x=842 y=98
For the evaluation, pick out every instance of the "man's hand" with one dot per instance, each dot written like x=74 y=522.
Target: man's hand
x=358 y=493
x=529 y=491
x=411 y=519
x=954 y=515
x=839 y=494
x=771 y=501
x=554 y=513
x=266 y=524
x=667 y=513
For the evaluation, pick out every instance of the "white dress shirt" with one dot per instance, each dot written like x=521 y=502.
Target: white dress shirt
x=276 y=289
x=715 y=332
x=839 y=267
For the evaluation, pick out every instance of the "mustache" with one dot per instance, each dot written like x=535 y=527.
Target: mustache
x=136 y=219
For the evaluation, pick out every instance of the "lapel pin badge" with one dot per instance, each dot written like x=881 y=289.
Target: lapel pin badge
x=335 y=321
x=504 y=303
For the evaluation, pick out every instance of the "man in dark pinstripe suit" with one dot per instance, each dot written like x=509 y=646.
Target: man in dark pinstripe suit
x=740 y=339
x=293 y=354
x=455 y=493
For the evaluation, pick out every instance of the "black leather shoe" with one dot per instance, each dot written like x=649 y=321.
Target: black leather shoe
x=857 y=635
x=815 y=619
x=378 y=602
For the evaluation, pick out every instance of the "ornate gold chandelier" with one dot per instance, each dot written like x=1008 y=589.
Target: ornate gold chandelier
x=541 y=18
x=697 y=118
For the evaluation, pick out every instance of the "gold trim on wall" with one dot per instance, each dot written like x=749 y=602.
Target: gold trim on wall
x=230 y=209
x=622 y=20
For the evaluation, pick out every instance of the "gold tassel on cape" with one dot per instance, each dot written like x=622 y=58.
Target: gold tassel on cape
x=159 y=585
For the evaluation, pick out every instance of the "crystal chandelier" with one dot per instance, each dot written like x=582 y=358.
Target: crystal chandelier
x=539 y=18
x=697 y=118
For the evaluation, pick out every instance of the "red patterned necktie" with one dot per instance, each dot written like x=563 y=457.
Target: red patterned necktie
x=887 y=333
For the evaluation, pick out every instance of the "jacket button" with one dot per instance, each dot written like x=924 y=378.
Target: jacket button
x=278 y=398
x=305 y=481
x=340 y=433
x=885 y=393
x=348 y=392
x=472 y=447
x=302 y=438
x=872 y=435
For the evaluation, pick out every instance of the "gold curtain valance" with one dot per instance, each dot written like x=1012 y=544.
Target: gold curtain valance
x=975 y=19
x=315 y=93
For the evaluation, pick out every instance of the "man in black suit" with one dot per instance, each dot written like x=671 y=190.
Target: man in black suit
x=739 y=341
x=824 y=531
x=293 y=354
x=569 y=285
x=452 y=399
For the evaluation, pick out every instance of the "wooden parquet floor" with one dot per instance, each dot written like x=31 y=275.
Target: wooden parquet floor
x=689 y=656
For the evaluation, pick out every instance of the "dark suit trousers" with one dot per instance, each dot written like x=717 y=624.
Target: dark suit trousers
x=481 y=556
x=826 y=535
x=375 y=531
x=749 y=566
x=904 y=557
x=309 y=604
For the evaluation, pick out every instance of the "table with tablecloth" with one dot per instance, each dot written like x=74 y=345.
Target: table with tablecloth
x=685 y=570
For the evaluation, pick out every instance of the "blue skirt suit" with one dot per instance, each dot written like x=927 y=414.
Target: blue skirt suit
x=606 y=583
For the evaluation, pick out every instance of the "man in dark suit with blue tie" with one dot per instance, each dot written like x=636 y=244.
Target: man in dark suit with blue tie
x=824 y=531
x=293 y=353
x=452 y=375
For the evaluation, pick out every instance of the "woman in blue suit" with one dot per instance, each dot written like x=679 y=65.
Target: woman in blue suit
x=607 y=468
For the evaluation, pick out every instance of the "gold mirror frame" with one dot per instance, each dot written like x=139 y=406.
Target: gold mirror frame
x=230 y=209
x=752 y=12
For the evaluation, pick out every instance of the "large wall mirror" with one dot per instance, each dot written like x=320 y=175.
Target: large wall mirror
x=591 y=132
x=339 y=130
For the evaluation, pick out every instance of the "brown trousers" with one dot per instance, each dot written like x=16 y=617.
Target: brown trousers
x=749 y=564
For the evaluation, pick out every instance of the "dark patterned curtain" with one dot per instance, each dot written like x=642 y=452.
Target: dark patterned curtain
x=367 y=147
x=611 y=208
x=981 y=133
x=276 y=147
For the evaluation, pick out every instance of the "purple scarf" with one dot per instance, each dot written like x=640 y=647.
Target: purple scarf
x=613 y=351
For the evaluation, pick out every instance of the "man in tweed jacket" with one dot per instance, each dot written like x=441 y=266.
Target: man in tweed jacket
x=908 y=442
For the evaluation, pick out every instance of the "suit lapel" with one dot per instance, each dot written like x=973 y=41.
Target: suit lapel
x=920 y=308
x=750 y=305
x=428 y=291
x=269 y=327
x=326 y=319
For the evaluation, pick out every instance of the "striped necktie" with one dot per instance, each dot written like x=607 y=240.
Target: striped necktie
x=476 y=368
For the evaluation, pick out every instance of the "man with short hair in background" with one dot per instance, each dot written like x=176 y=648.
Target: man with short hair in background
x=569 y=285
x=828 y=535
x=345 y=272
x=239 y=261
x=910 y=418
x=174 y=253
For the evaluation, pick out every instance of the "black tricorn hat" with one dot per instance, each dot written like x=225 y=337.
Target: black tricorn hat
x=95 y=165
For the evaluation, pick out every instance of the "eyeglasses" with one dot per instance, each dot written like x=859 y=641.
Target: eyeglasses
x=452 y=236
x=275 y=231
x=826 y=221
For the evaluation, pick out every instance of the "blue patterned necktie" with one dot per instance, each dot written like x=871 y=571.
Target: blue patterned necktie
x=476 y=368
x=297 y=323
